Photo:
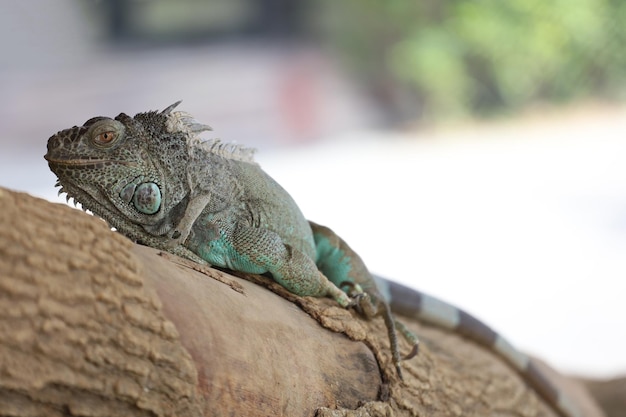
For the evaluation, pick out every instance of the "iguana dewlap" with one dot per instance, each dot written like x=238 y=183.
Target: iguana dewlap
x=154 y=180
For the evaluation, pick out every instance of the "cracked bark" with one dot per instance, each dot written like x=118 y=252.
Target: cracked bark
x=94 y=325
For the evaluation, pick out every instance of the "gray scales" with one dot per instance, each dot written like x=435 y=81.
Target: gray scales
x=158 y=183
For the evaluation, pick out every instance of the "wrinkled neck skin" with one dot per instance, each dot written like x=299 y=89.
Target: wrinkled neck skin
x=99 y=204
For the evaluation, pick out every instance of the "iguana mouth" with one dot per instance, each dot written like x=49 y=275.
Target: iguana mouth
x=86 y=162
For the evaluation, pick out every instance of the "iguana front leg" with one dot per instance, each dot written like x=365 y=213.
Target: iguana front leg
x=180 y=232
x=176 y=227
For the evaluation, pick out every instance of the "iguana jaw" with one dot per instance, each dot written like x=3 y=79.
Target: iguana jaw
x=86 y=162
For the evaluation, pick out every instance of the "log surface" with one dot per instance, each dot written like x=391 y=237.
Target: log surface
x=94 y=325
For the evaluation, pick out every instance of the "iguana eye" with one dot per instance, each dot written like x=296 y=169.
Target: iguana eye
x=105 y=133
x=105 y=138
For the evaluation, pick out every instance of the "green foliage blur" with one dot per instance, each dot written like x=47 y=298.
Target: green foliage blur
x=481 y=57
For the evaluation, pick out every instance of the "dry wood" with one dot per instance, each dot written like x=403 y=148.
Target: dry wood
x=93 y=325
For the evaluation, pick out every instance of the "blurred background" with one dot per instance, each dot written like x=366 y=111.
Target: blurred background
x=471 y=149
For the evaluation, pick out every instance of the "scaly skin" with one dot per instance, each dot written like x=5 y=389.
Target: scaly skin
x=153 y=180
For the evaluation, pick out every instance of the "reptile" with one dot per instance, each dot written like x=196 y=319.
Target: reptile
x=156 y=181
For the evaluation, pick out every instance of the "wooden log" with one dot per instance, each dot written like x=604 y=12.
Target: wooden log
x=94 y=325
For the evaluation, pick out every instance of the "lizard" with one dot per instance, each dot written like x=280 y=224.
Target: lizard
x=156 y=181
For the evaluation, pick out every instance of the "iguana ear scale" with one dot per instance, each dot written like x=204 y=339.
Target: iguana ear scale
x=171 y=107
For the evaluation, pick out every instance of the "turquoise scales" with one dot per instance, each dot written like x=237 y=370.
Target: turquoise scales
x=154 y=180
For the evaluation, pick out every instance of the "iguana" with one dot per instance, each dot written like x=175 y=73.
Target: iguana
x=156 y=181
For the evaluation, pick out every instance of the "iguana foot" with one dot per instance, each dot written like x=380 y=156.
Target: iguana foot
x=410 y=337
x=362 y=303
x=336 y=293
x=176 y=238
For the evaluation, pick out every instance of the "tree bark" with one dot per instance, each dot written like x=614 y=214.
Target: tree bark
x=94 y=325
x=610 y=395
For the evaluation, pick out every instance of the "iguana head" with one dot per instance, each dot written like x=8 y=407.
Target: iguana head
x=127 y=168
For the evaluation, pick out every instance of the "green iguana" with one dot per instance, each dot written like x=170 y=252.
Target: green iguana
x=154 y=180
